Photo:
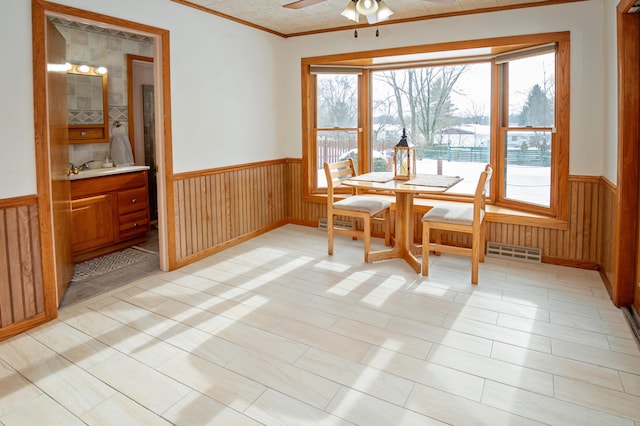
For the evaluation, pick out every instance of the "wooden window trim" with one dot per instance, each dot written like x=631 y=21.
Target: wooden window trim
x=559 y=201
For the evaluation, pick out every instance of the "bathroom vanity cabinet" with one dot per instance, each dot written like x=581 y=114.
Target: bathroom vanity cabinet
x=108 y=213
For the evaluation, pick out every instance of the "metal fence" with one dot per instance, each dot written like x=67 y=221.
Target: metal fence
x=475 y=154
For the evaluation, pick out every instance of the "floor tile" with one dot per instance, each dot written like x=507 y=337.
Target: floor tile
x=546 y=409
x=198 y=409
x=604 y=399
x=139 y=382
x=363 y=409
x=275 y=408
x=275 y=331
x=121 y=410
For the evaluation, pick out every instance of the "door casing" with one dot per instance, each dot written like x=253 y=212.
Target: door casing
x=40 y=11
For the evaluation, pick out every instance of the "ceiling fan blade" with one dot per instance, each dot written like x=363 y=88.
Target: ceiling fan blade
x=301 y=3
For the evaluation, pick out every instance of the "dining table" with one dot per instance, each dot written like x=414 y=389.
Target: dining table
x=404 y=190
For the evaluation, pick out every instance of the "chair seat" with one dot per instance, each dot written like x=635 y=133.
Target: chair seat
x=365 y=204
x=458 y=215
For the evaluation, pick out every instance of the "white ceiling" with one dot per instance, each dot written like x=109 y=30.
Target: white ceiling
x=271 y=16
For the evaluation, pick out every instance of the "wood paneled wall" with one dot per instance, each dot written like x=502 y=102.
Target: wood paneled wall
x=606 y=231
x=217 y=208
x=21 y=283
x=575 y=246
x=578 y=245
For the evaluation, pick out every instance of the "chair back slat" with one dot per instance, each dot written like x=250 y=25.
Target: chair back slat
x=481 y=192
x=337 y=172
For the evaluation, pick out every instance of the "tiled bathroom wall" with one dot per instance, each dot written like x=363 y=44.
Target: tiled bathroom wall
x=92 y=45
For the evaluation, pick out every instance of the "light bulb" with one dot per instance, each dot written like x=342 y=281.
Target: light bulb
x=367 y=7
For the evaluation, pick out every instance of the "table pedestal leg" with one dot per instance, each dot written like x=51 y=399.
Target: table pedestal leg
x=403 y=247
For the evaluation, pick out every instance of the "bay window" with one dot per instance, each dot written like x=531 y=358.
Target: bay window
x=503 y=101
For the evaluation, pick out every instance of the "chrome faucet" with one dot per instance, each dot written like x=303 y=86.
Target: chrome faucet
x=85 y=165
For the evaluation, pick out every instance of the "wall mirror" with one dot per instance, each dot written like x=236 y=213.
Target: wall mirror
x=87 y=106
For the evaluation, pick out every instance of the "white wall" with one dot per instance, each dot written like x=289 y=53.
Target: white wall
x=223 y=87
x=235 y=90
x=17 y=149
x=583 y=19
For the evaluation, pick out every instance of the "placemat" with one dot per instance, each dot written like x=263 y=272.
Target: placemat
x=439 y=181
x=374 y=177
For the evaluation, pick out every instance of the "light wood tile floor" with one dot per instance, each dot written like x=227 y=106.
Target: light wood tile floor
x=273 y=331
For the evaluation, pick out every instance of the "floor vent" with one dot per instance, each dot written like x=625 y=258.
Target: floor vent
x=322 y=224
x=526 y=254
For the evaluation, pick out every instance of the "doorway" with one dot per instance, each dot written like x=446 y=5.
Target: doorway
x=41 y=11
x=141 y=101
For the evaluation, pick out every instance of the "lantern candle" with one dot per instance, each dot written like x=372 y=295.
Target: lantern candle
x=404 y=159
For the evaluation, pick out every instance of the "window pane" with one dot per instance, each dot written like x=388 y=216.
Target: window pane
x=447 y=113
x=532 y=91
x=337 y=100
x=528 y=167
x=334 y=146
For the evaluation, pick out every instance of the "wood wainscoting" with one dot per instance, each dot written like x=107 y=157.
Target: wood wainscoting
x=585 y=241
x=21 y=283
x=577 y=244
x=608 y=213
x=217 y=208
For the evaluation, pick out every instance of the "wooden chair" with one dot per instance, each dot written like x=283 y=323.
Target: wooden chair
x=365 y=207
x=458 y=218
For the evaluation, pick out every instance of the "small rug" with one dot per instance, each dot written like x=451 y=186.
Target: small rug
x=110 y=262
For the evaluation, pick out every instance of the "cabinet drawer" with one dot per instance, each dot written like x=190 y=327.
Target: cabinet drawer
x=94 y=134
x=132 y=200
x=133 y=224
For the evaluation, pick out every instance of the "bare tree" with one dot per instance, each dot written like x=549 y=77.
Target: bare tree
x=337 y=101
x=422 y=98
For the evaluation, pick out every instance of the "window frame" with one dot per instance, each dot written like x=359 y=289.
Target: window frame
x=559 y=192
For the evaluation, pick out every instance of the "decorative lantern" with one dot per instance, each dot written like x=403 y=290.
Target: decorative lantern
x=404 y=159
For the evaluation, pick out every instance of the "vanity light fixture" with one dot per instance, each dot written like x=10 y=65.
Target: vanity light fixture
x=86 y=69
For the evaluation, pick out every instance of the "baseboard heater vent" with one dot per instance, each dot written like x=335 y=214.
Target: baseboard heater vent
x=526 y=254
x=322 y=224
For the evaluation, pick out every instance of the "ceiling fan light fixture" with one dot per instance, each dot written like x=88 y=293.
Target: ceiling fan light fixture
x=383 y=12
x=350 y=12
x=367 y=7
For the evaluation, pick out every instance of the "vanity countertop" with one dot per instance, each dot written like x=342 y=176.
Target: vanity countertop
x=90 y=173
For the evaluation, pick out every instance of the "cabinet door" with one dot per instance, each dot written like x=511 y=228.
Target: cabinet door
x=93 y=222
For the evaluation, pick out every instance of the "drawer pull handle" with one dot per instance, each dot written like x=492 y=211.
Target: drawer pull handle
x=135 y=225
x=83 y=133
x=134 y=200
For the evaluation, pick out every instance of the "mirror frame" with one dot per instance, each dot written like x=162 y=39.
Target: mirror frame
x=91 y=133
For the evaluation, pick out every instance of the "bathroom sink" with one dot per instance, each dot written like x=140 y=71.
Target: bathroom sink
x=90 y=173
